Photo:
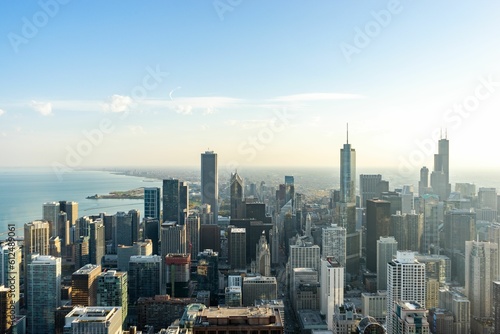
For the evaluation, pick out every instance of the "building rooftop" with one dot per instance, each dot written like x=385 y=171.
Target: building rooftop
x=87 y=269
x=259 y=279
x=236 y=316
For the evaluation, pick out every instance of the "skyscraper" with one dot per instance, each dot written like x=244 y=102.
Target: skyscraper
x=440 y=176
x=97 y=243
x=6 y=317
x=126 y=228
x=144 y=277
x=347 y=173
x=481 y=269
x=152 y=204
x=405 y=282
x=423 y=184
x=175 y=200
x=378 y=222
x=112 y=290
x=173 y=238
x=71 y=209
x=193 y=235
x=237 y=248
x=84 y=285
x=236 y=193
x=43 y=293
x=369 y=187
x=290 y=189
x=177 y=275
x=36 y=237
x=333 y=243
x=210 y=182
x=50 y=213
x=387 y=248
x=10 y=270
x=332 y=288
x=207 y=273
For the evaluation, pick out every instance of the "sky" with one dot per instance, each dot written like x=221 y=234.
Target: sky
x=261 y=83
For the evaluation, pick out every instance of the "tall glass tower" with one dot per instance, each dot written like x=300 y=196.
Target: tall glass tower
x=210 y=182
x=347 y=173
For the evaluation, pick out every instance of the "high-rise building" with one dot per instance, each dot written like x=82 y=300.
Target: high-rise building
x=347 y=173
x=263 y=258
x=97 y=243
x=71 y=210
x=112 y=290
x=407 y=200
x=237 y=248
x=440 y=176
x=152 y=204
x=496 y=305
x=210 y=182
x=334 y=243
x=236 y=197
x=481 y=268
x=290 y=190
x=84 y=285
x=487 y=198
x=378 y=222
x=405 y=282
x=126 y=228
x=459 y=226
x=177 y=275
x=95 y=319
x=408 y=229
x=423 y=184
x=193 y=235
x=50 y=213
x=144 y=277
x=43 y=293
x=459 y=306
x=36 y=237
x=152 y=232
x=332 y=288
x=375 y=305
x=124 y=253
x=259 y=287
x=430 y=207
x=409 y=317
x=232 y=296
x=304 y=255
x=7 y=314
x=175 y=201
x=207 y=273
x=387 y=248
x=10 y=270
x=173 y=238
x=369 y=187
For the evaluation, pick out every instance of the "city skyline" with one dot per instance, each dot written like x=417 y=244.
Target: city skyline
x=251 y=81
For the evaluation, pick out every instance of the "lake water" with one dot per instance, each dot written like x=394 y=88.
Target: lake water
x=23 y=191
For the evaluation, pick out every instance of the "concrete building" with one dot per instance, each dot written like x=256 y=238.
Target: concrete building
x=405 y=282
x=112 y=290
x=177 y=275
x=238 y=319
x=408 y=229
x=387 y=248
x=160 y=311
x=258 y=287
x=43 y=293
x=346 y=319
x=173 y=238
x=459 y=306
x=95 y=320
x=233 y=296
x=409 y=317
x=375 y=305
x=334 y=243
x=144 y=248
x=332 y=288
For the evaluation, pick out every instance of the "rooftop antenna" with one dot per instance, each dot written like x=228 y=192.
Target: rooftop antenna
x=441 y=133
x=347 y=133
x=446 y=133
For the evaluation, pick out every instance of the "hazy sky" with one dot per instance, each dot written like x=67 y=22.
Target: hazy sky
x=155 y=83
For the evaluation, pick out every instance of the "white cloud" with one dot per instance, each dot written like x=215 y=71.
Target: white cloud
x=44 y=108
x=184 y=109
x=2 y=112
x=316 y=97
x=118 y=103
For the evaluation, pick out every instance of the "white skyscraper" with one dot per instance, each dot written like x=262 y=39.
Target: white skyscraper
x=333 y=241
x=387 y=248
x=481 y=268
x=43 y=293
x=405 y=282
x=332 y=288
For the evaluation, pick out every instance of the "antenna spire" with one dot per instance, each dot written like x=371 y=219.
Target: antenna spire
x=347 y=133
